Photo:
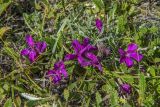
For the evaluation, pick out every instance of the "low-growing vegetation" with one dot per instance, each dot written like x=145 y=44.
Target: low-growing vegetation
x=71 y=53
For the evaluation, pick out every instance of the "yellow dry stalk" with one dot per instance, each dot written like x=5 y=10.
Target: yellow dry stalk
x=3 y=30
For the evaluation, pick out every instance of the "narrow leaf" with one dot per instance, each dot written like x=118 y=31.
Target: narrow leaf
x=66 y=94
x=58 y=34
x=98 y=3
x=30 y=96
x=4 y=6
x=98 y=98
x=8 y=103
x=142 y=87
x=3 y=30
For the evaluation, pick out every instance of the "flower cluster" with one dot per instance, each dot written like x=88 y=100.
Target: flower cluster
x=126 y=88
x=99 y=25
x=56 y=74
x=84 y=53
x=34 y=48
x=128 y=56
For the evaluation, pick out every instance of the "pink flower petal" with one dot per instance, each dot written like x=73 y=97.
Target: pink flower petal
x=25 y=52
x=50 y=72
x=70 y=57
x=77 y=46
x=121 y=52
x=99 y=66
x=126 y=88
x=132 y=47
x=85 y=42
x=138 y=57
x=99 y=24
x=64 y=73
x=92 y=57
x=129 y=62
x=83 y=62
x=29 y=40
x=94 y=60
x=57 y=79
x=122 y=59
x=40 y=46
x=59 y=65
x=32 y=55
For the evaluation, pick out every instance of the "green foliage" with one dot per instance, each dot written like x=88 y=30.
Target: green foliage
x=3 y=30
x=3 y=5
x=66 y=94
x=99 y=4
x=8 y=103
x=58 y=23
x=98 y=98
x=142 y=88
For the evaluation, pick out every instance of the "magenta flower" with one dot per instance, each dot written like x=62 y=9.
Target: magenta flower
x=40 y=47
x=84 y=54
x=131 y=54
x=99 y=25
x=34 y=48
x=126 y=88
x=57 y=73
x=29 y=40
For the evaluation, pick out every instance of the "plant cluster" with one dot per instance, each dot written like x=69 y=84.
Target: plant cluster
x=98 y=53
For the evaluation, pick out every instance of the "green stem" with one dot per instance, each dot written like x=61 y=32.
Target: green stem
x=33 y=81
x=29 y=26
